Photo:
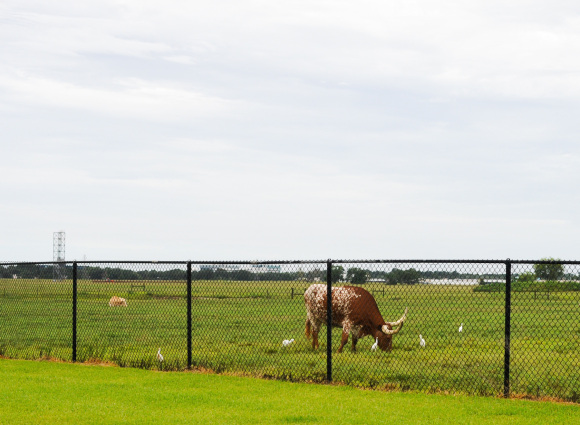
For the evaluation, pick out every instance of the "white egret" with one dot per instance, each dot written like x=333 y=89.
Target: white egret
x=287 y=342
x=159 y=356
x=375 y=345
x=461 y=328
x=421 y=341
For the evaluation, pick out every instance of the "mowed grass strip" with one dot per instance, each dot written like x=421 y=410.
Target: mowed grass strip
x=40 y=392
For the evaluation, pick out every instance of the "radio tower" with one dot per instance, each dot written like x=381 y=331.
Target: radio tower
x=58 y=271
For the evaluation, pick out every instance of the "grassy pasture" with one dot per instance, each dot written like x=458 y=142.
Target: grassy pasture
x=238 y=327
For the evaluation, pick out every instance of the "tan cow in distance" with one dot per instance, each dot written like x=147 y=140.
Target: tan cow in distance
x=117 y=302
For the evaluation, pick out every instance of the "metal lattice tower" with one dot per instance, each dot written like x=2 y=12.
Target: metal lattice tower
x=58 y=254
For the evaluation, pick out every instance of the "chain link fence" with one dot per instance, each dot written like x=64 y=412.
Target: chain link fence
x=476 y=327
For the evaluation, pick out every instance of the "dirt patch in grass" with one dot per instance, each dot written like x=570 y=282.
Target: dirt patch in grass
x=99 y=362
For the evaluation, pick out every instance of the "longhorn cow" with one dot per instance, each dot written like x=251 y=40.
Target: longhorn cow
x=354 y=310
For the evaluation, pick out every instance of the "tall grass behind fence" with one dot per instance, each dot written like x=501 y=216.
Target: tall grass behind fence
x=489 y=327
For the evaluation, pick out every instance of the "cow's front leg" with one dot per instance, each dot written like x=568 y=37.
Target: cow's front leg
x=354 y=341
x=343 y=340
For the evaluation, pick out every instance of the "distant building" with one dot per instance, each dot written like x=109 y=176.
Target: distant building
x=254 y=268
x=214 y=267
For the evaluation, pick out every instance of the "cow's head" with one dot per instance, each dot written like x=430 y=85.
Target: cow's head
x=385 y=334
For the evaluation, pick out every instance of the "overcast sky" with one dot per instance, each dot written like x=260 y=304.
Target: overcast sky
x=247 y=130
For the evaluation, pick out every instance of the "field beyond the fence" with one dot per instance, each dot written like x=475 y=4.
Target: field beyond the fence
x=239 y=326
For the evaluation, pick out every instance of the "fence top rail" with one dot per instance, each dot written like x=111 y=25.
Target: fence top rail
x=159 y=262
x=407 y=261
x=444 y=261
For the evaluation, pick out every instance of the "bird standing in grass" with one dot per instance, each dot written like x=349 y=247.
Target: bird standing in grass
x=375 y=345
x=287 y=342
x=159 y=355
x=421 y=341
x=461 y=328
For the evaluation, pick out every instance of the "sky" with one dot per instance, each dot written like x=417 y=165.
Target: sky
x=303 y=130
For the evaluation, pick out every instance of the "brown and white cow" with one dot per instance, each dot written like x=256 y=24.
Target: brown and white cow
x=354 y=310
x=117 y=302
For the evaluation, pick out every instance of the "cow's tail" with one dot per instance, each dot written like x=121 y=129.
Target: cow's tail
x=307 y=331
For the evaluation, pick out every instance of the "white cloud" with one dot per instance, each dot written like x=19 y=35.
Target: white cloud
x=130 y=98
x=255 y=129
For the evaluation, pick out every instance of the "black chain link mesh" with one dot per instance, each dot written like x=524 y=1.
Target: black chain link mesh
x=241 y=314
x=545 y=331
x=452 y=339
x=151 y=319
x=36 y=311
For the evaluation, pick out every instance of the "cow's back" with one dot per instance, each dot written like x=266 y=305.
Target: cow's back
x=358 y=305
x=349 y=302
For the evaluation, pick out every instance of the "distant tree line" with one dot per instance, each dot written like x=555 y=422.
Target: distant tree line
x=27 y=271
x=353 y=275
x=398 y=276
x=46 y=271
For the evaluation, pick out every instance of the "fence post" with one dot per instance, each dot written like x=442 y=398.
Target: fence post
x=508 y=305
x=189 y=314
x=74 y=313
x=329 y=321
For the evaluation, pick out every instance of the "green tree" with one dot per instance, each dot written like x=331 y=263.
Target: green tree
x=527 y=277
x=356 y=275
x=337 y=274
x=549 y=271
x=404 y=277
x=316 y=274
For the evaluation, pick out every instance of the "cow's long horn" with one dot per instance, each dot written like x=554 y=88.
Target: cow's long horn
x=401 y=320
x=398 y=323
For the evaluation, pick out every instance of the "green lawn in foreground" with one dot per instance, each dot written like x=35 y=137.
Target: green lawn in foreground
x=39 y=392
x=238 y=327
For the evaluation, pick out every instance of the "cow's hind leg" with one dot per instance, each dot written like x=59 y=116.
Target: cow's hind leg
x=354 y=341
x=343 y=340
x=315 y=327
x=315 y=339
